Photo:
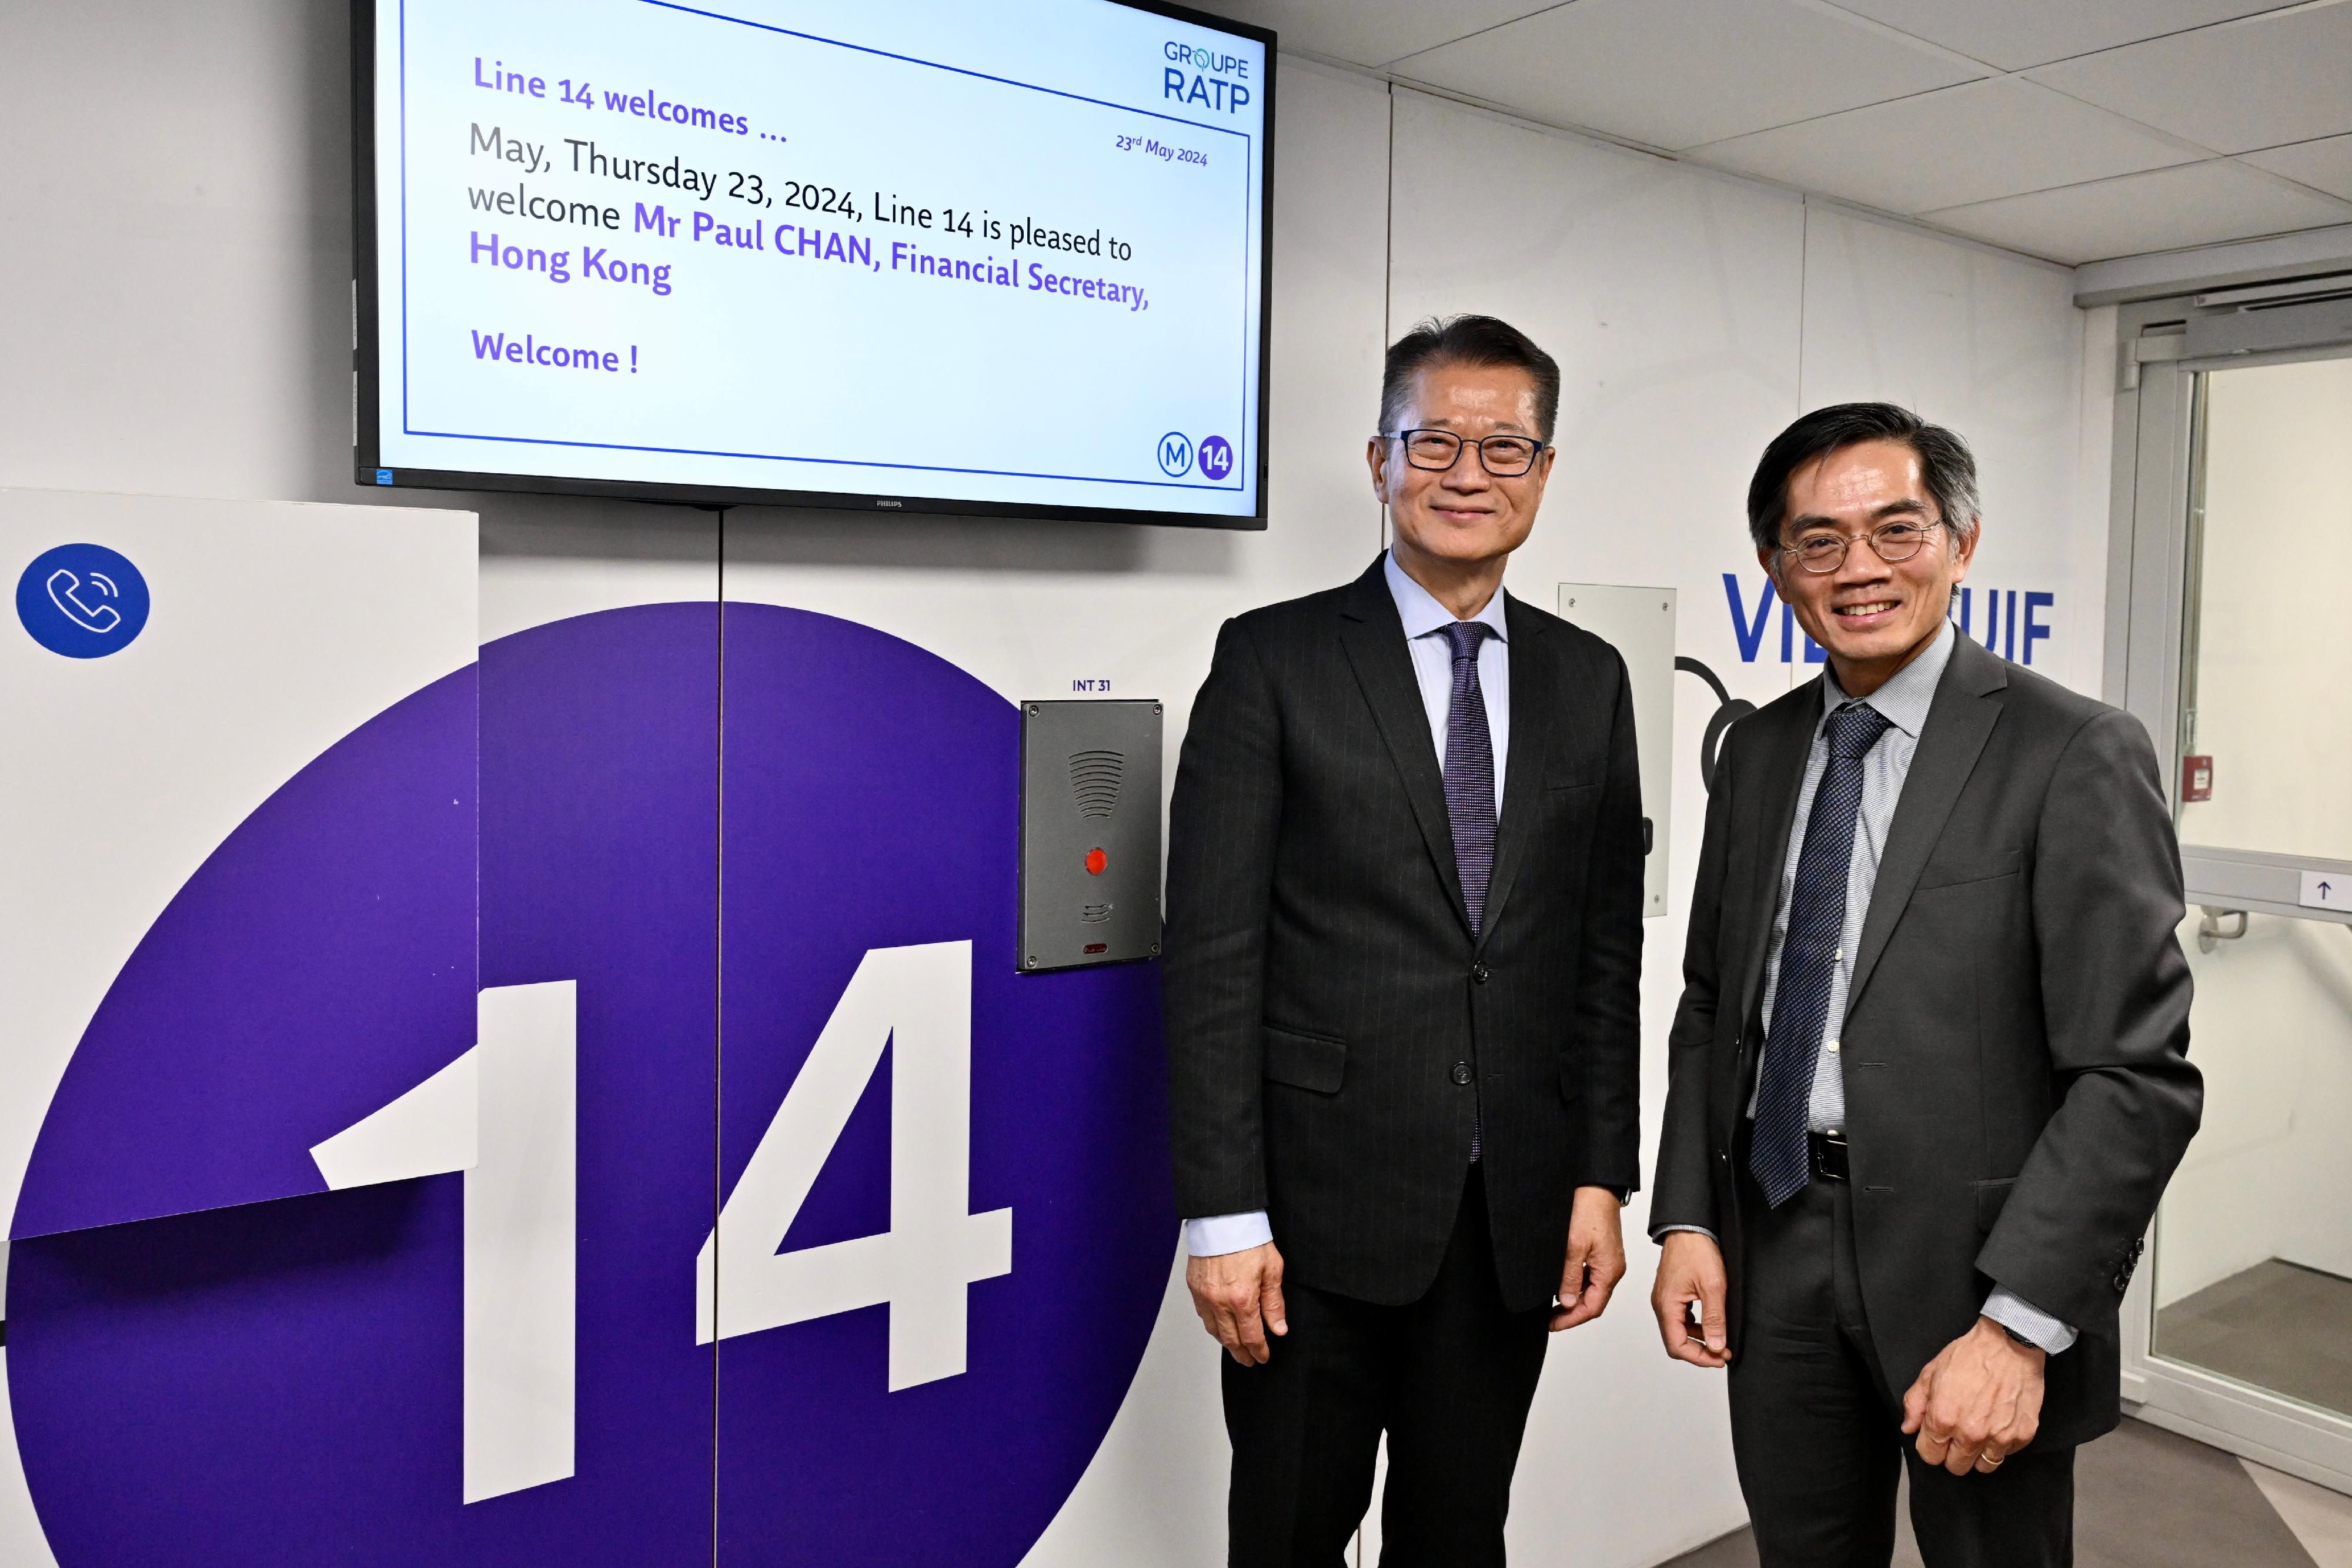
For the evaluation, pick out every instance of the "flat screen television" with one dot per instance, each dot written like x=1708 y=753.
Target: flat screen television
x=895 y=256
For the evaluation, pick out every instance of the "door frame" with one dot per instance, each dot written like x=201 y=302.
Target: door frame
x=2164 y=348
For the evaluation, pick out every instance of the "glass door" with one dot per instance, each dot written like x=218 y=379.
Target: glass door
x=2243 y=1322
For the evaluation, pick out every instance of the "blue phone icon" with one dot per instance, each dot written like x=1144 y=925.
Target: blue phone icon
x=65 y=592
x=82 y=600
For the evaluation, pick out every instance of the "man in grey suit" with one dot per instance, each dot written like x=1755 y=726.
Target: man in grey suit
x=1928 y=1077
x=1404 y=906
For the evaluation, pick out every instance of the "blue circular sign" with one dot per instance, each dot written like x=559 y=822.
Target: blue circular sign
x=84 y=601
x=1175 y=455
x=1216 y=456
x=284 y=1381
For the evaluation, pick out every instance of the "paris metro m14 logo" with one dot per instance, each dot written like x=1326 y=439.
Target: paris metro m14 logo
x=2008 y=622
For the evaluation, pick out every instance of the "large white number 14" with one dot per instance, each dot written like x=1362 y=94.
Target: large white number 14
x=518 y=1087
x=919 y=1001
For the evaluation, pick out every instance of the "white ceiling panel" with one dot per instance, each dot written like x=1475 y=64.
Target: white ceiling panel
x=1371 y=32
x=2325 y=163
x=1676 y=73
x=1946 y=149
x=2285 y=75
x=2015 y=34
x=2195 y=204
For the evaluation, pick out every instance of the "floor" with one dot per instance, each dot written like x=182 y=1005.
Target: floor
x=2148 y=1499
x=2278 y=1325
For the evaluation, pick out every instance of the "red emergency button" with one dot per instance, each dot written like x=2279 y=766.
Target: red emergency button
x=1097 y=862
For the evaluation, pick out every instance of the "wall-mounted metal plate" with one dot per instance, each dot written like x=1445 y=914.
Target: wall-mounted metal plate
x=1089 y=832
x=1640 y=622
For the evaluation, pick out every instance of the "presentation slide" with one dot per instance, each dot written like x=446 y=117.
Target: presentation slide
x=909 y=250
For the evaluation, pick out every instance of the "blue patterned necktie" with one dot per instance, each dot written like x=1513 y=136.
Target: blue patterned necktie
x=1778 y=1158
x=1470 y=788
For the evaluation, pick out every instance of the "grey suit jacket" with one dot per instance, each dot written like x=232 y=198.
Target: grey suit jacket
x=2018 y=1089
x=1332 y=1024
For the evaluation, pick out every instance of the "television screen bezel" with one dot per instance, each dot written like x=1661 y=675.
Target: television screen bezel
x=366 y=306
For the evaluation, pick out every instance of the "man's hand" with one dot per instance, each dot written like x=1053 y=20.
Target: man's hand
x=1978 y=1402
x=1690 y=1273
x=1239 y=1298
x=1596 y=1258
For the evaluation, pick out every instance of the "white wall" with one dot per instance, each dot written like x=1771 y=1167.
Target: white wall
x=180 y=321
x=1993 y=347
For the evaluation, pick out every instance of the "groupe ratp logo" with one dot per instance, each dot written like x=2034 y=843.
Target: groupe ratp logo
x=1177 y=455
x=1205 y=76
x=1205 y=60
x=82 y=600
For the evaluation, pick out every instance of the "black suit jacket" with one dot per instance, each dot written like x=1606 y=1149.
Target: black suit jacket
x=1322 y=986
x=2017 y=1084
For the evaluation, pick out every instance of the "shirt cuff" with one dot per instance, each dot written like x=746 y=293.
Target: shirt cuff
x=1222 y=1233
x=2028 y=1321
x=1695 y=1230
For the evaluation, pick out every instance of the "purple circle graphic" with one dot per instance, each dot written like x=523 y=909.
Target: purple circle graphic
x=282 y=1382
x=1216 y=456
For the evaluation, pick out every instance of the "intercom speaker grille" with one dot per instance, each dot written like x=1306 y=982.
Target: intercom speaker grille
x=1095 y=779
x=1090 y=775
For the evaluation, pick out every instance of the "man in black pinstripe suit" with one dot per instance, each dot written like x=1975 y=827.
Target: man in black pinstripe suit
x=1403 y=945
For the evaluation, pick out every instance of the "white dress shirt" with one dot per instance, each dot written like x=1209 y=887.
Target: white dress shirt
x=1425 y=620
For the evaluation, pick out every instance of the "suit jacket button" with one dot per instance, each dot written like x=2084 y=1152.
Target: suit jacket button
x=1462 y=1072
x=1480 y=973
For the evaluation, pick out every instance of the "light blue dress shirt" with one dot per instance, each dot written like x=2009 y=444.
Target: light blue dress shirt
x=1425 y=620
x=1903 y=702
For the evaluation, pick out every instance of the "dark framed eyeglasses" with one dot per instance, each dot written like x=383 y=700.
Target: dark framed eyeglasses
x=1822 y=550
x=1504 y=456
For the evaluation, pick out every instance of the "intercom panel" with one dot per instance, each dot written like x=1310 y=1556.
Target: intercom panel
x=1089 y=832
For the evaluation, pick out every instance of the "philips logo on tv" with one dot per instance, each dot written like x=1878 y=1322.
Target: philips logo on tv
x=1201 y=76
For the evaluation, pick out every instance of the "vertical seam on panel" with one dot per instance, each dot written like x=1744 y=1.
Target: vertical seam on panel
x=717 y=1010
x=1388 y=231
x=1388 y=281
x=1804 y=262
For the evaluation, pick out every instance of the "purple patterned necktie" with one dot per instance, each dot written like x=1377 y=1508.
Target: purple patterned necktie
x=1780 y=1157
x=1470 y=771
x=1470 y=786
